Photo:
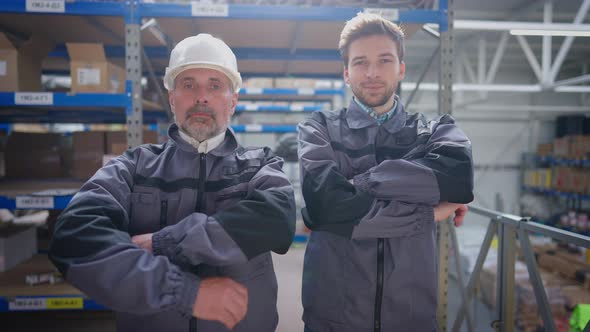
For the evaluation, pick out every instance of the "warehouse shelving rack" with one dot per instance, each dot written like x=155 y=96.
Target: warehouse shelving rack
x=126 y=18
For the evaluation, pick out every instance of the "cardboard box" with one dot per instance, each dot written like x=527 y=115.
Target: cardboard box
x=91 y=72
x=87 y=151
x=20 y=67
x=18 y=243
x=33 y=155
x=116 y=141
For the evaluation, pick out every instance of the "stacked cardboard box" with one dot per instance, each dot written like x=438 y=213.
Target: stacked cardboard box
x=568 y=179
x=20 y=66
x=90 y=147
x=34 y=155
x=91 y=72
x=17 y=244
x=544 y=150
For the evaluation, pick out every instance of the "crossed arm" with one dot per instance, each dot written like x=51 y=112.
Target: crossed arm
x=391 y=198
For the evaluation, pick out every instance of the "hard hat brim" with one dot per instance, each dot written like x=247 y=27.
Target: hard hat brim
x=170 y=76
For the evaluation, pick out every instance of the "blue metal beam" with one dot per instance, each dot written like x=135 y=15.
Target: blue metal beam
x=294 y=13
x=105 y=8
x=244 y=53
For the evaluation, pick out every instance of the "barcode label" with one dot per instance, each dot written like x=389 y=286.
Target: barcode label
x=205 y=8
x=57 y=303
x=88 y=76
x=29 y=303
x=296 y=107
x=46 y=6
x=253 y=128
x=306 y=91
x=390 y=14
x=2 y=68
x=33 y=98
x=251 y=107
x=34 y=202
x=254 y=91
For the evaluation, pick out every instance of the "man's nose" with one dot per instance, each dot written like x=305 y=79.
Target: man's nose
x=372 y=71
x=201 y=96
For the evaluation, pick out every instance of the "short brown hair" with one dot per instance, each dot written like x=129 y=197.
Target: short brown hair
x=364 y=25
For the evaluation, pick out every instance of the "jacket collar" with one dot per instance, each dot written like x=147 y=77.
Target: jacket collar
x=357 y=118
x=228 y=146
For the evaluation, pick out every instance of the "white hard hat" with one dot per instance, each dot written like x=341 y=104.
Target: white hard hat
x=202 y=51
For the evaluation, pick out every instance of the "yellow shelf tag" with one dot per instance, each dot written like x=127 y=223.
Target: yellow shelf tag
x=65 y=303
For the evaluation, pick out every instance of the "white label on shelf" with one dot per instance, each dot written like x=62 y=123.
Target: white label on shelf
x=46 y=6
x=206 y=8
x=296 y=107
x=34 y=202
x=391 y=14
x=33 y=98
x=2 y=68
x=306 y=91
x=253 y=128
x=88 y=76
x=254 y=91
x=251 y=107
x=27 y=303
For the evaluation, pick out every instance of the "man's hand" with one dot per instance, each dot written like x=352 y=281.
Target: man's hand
x=144 y=241
x=444 y=210
x=221 y=299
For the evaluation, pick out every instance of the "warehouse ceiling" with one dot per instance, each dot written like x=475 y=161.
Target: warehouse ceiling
x=308 y=48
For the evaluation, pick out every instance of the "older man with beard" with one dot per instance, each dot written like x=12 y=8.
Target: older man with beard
x=177 y=237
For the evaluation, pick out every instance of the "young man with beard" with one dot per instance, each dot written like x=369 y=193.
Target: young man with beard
x=177 y=237
x=375 y=179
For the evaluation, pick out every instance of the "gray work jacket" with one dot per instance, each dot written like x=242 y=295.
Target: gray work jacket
x=214 y=214
x=369 y=191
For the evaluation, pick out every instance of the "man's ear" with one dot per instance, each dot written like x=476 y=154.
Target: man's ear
x=234 y=103
x=171 y=100
x=346 y=77
x=402 y=70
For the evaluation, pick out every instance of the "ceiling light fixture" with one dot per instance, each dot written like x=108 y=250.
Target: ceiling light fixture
x=530 y=32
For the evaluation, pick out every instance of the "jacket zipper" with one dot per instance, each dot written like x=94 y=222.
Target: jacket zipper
x=163 y=213
x=192 y=324
x=379 y=291
x=201 y=189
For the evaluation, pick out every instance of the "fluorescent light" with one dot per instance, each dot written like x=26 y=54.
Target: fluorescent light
x=529 y=32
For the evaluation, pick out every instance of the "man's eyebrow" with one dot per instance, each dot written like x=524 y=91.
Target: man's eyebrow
x=358 y=58
x=214 y=79
x=187 y=78
x=387 y=54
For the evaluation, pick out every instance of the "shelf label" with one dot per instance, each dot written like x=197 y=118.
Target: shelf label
x=58 y=303
x=33 y=98
x=46 y=6
x=2 y=68
x=251 y=107
x=88 y=76
x=391 y=14
x=306 y=91
x=206 y=8
x=34 y=202
x=27 y=303
x=297 y=108
x=253 y=91
x=253 y=128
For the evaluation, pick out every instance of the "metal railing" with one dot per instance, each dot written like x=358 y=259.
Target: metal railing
x=510 y=229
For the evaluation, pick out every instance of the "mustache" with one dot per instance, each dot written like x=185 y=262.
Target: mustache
x=373 y=83
x=203 y=109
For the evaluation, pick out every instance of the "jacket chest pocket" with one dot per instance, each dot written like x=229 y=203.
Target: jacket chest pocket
x=152 y=211
x=146 y=211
